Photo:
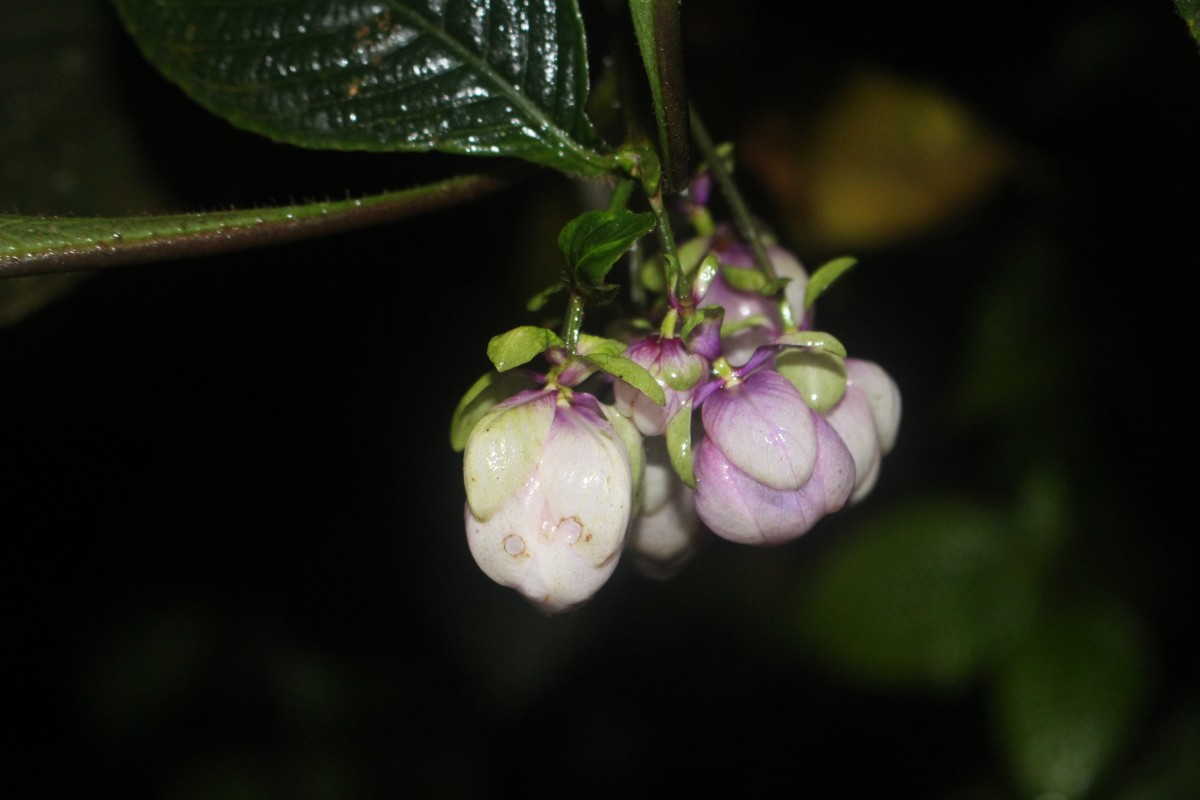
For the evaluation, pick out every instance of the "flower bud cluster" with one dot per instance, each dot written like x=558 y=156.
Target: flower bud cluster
x=764 y=429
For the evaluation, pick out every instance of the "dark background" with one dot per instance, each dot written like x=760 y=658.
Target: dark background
x=236 y=561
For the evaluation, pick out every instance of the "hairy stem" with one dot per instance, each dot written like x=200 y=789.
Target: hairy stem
x=741 y=214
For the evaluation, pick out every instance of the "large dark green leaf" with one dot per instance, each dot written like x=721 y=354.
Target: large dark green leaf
x=479 y=77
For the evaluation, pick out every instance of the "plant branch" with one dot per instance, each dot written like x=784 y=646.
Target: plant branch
x=741 y=213
x=656 y=23
x=43 y=245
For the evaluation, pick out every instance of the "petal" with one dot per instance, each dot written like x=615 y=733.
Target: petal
x=663 y=536
x=763 y=427
x=586 y=479
x=504 y=448
x=736 y=507
x=519 y=549
x=851 y=418
x=883 y=396
x=834 y=470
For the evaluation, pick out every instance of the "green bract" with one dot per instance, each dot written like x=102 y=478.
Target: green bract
x=502 y=450
x=520 y=346
x=490 y=389
x=824 y=277
x=594 y=241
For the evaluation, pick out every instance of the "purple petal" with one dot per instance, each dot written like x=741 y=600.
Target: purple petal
x=736 y=507
x=763 y=427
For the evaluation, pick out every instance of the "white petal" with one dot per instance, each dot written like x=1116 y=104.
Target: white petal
x=851 y=418
x=664 y=535
x=883 y=395
x=586 y=479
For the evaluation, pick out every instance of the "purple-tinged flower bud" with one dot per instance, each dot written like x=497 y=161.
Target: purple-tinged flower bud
x=548 y=496
x=769 y=466
x=741 y=305
x=677 y=372
x=662 y=537
x=867 y=418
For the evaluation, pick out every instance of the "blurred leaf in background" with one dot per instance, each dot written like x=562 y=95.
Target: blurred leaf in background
x=70 y=148
x=920 y=595
x=886 y=158
x=1068 y=696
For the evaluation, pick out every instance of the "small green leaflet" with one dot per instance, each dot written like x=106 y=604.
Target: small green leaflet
x=520 y=346
x=486 y=392
x=818 y=340
x=679 y=444
x=594 y=241
x=824 y=277
x=631 y=372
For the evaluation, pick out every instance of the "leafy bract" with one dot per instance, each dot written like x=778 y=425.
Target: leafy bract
x=824 y=277
x=476 y=77
x=593 y=241
x=679 y=444
x=490 y=389
x=520 y=346
x=632 y=373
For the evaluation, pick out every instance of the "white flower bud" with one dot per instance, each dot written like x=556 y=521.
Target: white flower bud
x=549 y=494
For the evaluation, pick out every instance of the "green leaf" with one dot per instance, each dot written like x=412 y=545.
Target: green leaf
x=774 y=286
x=824 y=277
x=819 y=376
x=817 y=340
x=1169 y=763
x=1067 y=696
x=490 y=389
x=922 y=595
x=656 y=25
x=594 y=241
x=539 y=300
x=752 y=321
x=679 y=444
x=631 y=372
x=743 y=279
x=714 y=314
x=589 y=345
x=32 y=245
x=488 y=77
x=705 y=274
x=1190 y=11
x=520 y=346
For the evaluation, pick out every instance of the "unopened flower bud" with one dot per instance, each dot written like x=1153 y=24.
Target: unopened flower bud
x=742 y=305
x=769 y=466
x=867 y=419
x=664 y=534
x=677 y=372
x=548 y=496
